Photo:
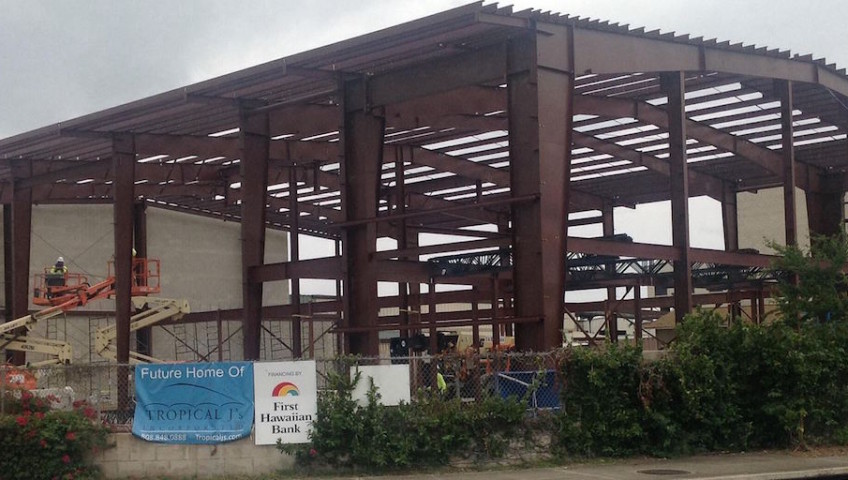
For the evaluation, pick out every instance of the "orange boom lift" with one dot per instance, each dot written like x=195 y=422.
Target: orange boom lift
x=63 y=292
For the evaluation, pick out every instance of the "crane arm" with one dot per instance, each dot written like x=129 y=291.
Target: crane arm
x=60 y=351
x=28 y=320
x=150 y=311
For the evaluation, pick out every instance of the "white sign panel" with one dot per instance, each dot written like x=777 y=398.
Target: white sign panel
x=286 y=397
x=392 y=382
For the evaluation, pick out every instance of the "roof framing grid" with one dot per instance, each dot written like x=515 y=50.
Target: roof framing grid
x=440 y=85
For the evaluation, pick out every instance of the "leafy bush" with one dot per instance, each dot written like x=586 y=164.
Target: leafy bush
x=721 y=387
x=601 y=410
x=39 y=442
x=428 y=431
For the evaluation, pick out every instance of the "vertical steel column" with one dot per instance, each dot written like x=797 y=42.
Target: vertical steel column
x=761 y=305
x=361 y=135
x=21 y=234
x=342 y=343
x=431 y=314
x=730 y=218
x=496 y=328
x=784 y=92
x=143 y=337
x=673 y=85
x=123 y=166
x=402 y=236
x=7 y=260
x=540 y=119
x=294 y=245
x=255 y=144
x=123 y=160
x=475 y=316
x=506 y=261
x=637 y=311
x=608 y=226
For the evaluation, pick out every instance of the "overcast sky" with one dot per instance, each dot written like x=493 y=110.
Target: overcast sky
x=62 y=59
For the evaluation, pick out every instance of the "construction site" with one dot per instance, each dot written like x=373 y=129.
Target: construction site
x=465 y=170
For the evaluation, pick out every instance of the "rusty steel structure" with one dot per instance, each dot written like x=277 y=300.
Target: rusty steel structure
x=476 y=122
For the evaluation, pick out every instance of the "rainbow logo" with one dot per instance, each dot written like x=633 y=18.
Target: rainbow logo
x=285 y=389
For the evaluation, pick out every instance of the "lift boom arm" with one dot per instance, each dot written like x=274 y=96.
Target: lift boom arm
x=150 y=311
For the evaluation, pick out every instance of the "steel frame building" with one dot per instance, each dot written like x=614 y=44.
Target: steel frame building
x=477 y=116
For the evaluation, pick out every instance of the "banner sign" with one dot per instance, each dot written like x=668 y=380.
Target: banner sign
x=200 y=403
x=286 y=395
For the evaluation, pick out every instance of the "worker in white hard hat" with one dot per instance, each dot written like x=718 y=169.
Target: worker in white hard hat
x=56 y=276
x=59 y=266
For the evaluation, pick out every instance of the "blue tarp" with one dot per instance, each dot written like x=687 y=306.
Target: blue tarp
x=516 y=383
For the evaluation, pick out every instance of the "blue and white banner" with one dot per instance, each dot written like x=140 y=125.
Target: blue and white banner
x=201 y=403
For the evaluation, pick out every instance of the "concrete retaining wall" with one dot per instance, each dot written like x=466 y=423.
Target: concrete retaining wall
x=132 y=457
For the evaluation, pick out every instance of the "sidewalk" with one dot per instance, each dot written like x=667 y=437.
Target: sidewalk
x=746 y=466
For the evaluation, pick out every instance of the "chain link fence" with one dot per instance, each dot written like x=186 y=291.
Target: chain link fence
x=470 y=377
x=106 y=387
x=109 y=388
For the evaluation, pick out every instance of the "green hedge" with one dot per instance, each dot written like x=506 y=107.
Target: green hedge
x=429 y=431
x=719 y=388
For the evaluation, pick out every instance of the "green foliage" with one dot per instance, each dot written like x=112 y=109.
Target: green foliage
x=821 y=291
x=426 y=432
x=703 y=377
x=38 y=442
x=721 y=387
x=600 y=403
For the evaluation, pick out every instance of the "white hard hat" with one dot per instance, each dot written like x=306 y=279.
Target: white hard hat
x=60 y=260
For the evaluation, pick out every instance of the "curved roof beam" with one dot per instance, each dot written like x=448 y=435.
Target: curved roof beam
x=769 y=160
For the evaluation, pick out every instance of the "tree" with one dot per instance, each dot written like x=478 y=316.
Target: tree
x=813 y=286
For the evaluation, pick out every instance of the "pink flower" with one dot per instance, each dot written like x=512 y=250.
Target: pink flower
x=39 y=415
x=66 y=458
x=43 y=443
x=70 y=436
x=22 y=421
x=313 y=453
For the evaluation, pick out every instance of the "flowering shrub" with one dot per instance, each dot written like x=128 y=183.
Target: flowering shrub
x=38 y=442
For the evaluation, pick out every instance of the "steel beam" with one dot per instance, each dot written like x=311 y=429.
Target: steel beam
x=730 y=219
x=608 y=227
x=362 y=142
x=123 y=160
x=784 y=92
x=711 y=185
x=436 y=76
x=254 y=171
x=645 y=112
x=21 y=234
x=540 y=121
x=8 y=261
x=673 y=85
x=143 y=337
x=294 y=246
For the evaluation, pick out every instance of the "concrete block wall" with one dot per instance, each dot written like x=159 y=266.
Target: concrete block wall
x=133 y=457
x=761 y=219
